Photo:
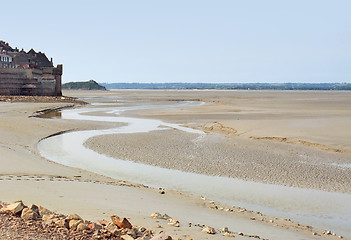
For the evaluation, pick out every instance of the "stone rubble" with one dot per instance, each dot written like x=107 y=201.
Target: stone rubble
x=18 y=221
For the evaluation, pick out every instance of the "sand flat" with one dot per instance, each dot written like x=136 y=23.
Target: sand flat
x=26 y=175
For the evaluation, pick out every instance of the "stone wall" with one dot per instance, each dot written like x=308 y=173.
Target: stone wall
x=40 y=82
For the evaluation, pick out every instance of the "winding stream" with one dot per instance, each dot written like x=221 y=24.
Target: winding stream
x=318 y=208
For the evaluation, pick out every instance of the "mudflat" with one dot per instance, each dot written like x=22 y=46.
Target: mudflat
x=261 y=133
x=287 y=138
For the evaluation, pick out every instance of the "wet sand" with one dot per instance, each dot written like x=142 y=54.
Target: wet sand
x=213 y=154
x=25 y=175
x=291 y=138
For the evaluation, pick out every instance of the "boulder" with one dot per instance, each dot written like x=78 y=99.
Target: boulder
x=29 y=214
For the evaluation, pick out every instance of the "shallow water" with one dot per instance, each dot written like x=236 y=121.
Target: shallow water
x=320 y=209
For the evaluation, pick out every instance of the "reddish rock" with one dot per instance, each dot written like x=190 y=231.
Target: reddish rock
x=121 y=224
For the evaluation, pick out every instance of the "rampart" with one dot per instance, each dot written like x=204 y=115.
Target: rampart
x=40 y=82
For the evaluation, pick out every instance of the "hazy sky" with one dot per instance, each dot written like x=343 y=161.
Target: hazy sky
x=187 y=41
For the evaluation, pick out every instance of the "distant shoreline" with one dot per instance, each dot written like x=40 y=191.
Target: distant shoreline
x=231 y=86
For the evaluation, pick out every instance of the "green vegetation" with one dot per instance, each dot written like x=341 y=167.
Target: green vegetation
x=89 y=85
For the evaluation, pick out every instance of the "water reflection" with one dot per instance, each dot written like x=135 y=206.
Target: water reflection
x=51 y=114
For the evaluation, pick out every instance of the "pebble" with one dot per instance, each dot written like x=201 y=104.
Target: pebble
x=225 y=230
x=209 y=230
x=228 y=234
x=173 y=222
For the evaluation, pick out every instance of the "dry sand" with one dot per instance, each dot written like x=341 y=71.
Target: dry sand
x=25 y=175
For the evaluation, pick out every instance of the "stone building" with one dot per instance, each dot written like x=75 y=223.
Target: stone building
x=28 y=73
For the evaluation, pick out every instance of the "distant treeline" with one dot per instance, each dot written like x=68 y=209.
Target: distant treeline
x=231 y=86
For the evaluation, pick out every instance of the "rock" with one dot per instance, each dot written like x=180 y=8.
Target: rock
x=161 y=236
x=73 y=224
x=94 y=226
x=314 y=234
x=156 y=215
x=14 y=208
x=44 y=211
x=47 y=217
x=121 y=224
x=29 y=214
x=240 y=233
x=144 y=238
x=173 y=222
x=74 y=217
x=225 y=230
x=252 y=218
x=34 y=208
x=102 y=222
x=82 y=227
x=226 y=234
x=63 y=223
x=112 y=228
x=141 y=229
x=127 y=237
x=209 y=230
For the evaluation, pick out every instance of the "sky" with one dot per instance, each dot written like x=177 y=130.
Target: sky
x=219 y=41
